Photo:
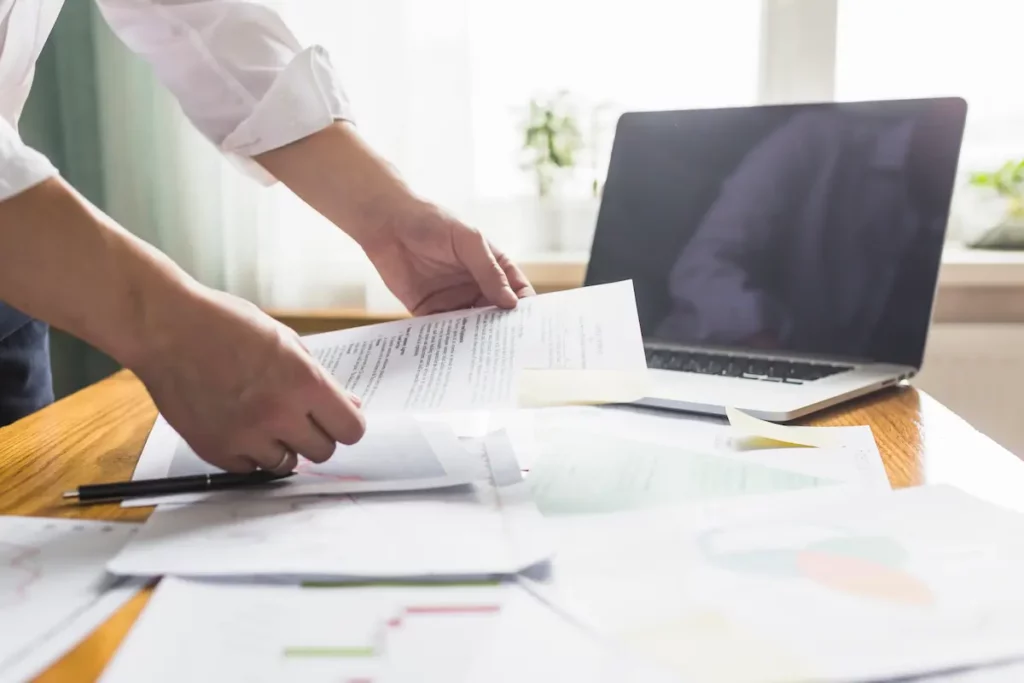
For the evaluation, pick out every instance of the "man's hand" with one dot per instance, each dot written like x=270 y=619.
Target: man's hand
x=434 y=263
x=429 y=260
x=241 y=389
x=238 y=386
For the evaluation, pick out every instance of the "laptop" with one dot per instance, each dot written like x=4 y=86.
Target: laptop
x=784 y=258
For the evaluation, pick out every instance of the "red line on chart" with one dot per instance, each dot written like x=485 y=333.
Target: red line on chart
x=420 y=610
x=305 y=467
x=20 y=562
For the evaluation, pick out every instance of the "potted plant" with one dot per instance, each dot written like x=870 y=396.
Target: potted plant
x=997 y=212
x=552 y=143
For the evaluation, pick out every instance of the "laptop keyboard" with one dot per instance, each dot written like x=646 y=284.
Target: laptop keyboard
x=745 y=367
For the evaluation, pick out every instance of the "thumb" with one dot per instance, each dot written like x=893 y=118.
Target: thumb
x=475 y=254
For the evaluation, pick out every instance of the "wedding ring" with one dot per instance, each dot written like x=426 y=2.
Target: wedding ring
x=284 y=459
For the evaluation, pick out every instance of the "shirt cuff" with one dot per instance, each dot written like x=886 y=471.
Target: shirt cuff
x=305 y=98
x=21 y=167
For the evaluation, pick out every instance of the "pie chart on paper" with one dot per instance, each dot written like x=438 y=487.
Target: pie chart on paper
x=867 y=567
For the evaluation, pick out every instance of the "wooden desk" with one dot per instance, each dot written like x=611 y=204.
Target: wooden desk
x=97 y=434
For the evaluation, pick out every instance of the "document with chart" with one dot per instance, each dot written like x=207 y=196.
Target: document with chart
x=576 y=346
x=807 y=587
x=397 y=453
x=590 y=460
x=54 y=589
x=488 y=527
x=473 y=633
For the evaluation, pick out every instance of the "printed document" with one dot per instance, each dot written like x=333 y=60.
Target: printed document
x=587 y=460
x=442 y=633
x=808 y=587
x=490 y=358
x=397 y=453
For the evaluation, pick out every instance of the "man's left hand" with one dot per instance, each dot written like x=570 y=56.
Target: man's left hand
x=434 y=263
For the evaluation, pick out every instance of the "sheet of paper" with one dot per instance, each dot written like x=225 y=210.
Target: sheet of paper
x=755 y=428
x=472 y=360
x=485 y=528
x=808 y=587
x=66 y=637
x=584 y=460
x=53 y=587
x=397 y=453
x=195 y=631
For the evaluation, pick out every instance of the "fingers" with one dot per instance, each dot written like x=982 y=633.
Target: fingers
x=308 y=440
x=516 y=278
x=238 y=464
x=335 y=414
x=474 y=251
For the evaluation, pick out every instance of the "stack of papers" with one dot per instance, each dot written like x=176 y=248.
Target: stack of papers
x=488 y=527
x=397 y=453
x=641 y=546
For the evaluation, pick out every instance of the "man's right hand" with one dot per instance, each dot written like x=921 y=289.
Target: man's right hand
x=241 y=389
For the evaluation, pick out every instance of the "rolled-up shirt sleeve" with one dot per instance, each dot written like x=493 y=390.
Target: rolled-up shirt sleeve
x=21 y=167
x=239 y=73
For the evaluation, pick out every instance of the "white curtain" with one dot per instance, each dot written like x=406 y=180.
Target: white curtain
x=440 y=89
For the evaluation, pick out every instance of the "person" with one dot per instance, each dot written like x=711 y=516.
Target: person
x=239 y=387
x=815 y=242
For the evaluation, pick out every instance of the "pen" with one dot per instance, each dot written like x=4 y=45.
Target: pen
x=161 y=487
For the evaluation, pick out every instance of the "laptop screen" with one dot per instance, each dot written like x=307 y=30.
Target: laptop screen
x=812 y=229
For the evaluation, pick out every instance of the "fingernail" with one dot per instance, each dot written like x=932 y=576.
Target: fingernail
x=355 y=399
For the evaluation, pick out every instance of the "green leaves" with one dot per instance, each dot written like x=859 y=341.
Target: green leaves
x=551 y=138
x=1007 y=180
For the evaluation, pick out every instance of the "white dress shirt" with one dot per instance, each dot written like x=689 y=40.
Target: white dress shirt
x=239 y=73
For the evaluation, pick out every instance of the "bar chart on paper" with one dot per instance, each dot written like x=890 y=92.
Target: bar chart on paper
x=51 y=571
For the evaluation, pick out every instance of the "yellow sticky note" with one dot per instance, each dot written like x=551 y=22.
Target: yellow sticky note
x=540 y=388
x=750 y=426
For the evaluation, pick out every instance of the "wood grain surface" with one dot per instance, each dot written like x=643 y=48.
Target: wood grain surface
x=96 y=435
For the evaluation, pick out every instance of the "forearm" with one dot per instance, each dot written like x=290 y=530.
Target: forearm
x=337 y=174
x=65 y=262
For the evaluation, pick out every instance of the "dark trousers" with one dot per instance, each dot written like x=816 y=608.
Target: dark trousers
x=26 y=384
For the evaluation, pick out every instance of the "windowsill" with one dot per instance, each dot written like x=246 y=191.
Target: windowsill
x=966 y=267
x=961 y=267
x=975 y=286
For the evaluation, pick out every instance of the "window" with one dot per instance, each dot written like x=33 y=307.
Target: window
x=920 y=48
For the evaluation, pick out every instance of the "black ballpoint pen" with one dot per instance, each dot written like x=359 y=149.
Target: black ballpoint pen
x=161 y=487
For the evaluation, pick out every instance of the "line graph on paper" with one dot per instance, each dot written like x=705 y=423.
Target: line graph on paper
x=50 y=569
x=19 y=571
x=413 y=639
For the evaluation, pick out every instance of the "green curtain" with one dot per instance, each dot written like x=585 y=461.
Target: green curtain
x=61 y=119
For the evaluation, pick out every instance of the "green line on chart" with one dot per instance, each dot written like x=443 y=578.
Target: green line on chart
x=327 y=651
